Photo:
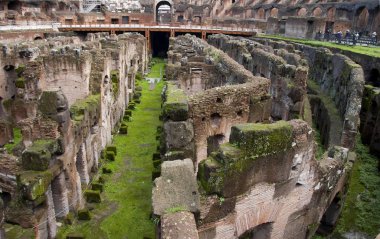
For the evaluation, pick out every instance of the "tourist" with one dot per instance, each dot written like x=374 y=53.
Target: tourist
x=347 y=36
x=374 y=38
x=354 y=38
x=339 y=36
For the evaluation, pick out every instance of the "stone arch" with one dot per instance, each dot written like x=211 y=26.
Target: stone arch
x=160 y=3
x=331 y=14
x=302 y=12
x=37 y=37
x=362 y=15
x=259 y=231
x=274 y=12
x=260 y=13
x=317 y=12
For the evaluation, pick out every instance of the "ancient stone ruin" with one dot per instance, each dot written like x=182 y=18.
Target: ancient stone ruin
x=197 y=119
x=67 y=99
x=257 y=176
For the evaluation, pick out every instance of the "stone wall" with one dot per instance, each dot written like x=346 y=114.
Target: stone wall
x=285 y=68
x=338 y=82
x=76 y=93
x=245 y=193
x=258 y=176
x=220 y=92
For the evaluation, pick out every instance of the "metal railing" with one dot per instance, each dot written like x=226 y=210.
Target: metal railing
x=160 y=26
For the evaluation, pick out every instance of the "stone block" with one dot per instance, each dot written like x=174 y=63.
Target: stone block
x=179 y=225
x=84 y=214
x=92 y=196
x=37 y=157
x=34 y=184
x=97 y=187
x=112 y=148
x=176 y=107
x=177 y=187
x=123 y=129
x=75 y=236
x=110 y=155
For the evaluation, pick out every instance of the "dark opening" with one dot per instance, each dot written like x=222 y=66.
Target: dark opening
x=115 y=21
x=6 y=197
x=9 y=67
x=216 y=119
x=374 y=78
x=330 y=218
x=239 y=113
x=259 y=232
x=37 y=38
x=160 y=44
x=125 y=19
x=214 y=142
x=14 y=5
x=180 y=18
x=219 y=100
x=163 y=12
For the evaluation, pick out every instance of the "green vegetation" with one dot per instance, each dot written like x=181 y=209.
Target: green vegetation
x=175 y=209
x=17 y=138
x=317 y=138
x=37 y=157
x=126 y=206
x=78 y=109
x=370 y=51
x=20 y=83
x=115 y=78
x=248 y=142
x=362 y=204
x=176 y=106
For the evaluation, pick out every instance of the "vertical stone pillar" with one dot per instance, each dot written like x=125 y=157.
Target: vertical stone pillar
x=81 y=163
x=79 y=196
x=61 y=203
x=51 y=221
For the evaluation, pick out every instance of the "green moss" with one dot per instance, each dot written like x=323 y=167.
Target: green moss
x=175 y=209
x=37 y=157
x=130 y=186
x=17 y=138
x=138 y=88
x=16 y=231
x=20 y=83
x=370 y=51
x=34 y=184
x=75 y=235
x=106 y=170
x=248 y=142
x=92 y=196
x=80 y=107
x=131 y=106
x=84 y=214
x=69 y=219
x=112 y=148
x=369 y=94
x=97 y=187
x=139 y=76
x=20 y=69
x=8 y=103
x=110 y=155
x=262 y=139
x=128 y=113
x=123 y=129
x=362 y=204
x=176 y=106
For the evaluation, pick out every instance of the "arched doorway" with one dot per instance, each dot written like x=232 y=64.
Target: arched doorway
x=163 y=12
x=374 y=78
x=362 y=19
x=274 y=12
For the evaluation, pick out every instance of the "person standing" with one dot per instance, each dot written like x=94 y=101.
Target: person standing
x=374 y=38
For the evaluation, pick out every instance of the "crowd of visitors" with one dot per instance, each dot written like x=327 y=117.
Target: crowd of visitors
x=351 y=38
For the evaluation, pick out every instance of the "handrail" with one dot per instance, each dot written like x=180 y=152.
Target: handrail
x=158 y=26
